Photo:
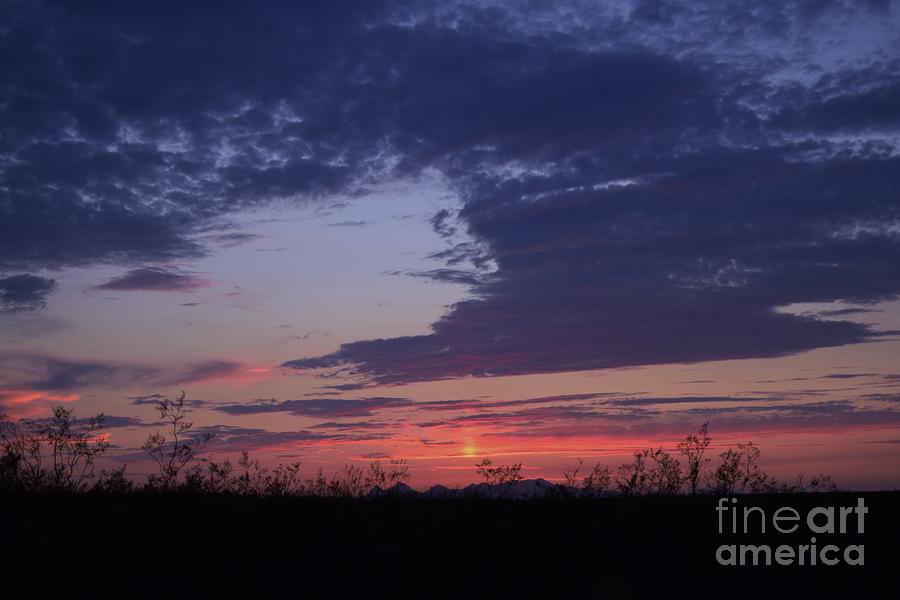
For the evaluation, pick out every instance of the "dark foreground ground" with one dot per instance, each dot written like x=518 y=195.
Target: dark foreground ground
x=178 y=546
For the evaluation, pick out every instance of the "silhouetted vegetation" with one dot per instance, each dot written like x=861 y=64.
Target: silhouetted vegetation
x=694 y=447
x=277 y=532
x=502 y=477
x=653 y=471
x=56 y=454
x=59 y=454
x=174 y=453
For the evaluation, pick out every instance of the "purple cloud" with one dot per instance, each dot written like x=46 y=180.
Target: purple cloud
x=324 y=407
x=157 y=279
x=24 y=293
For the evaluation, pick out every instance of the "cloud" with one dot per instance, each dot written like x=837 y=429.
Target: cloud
x=234 y=238
x=238 y=439
x=844 y=312
x=624 y=230
x=375 y=455
x=126 y=141
x=30 y=401
x=428 y=442
x=349 y=224
x=155 y=399
x=53 y=374
x=142 y=140
x=845 y=101
x=440 y=223
x=117 y=422
x=694 y=400
x=726 y=415
x=351 y=425
x=203 y=370
x=451 y=405
x=328 y=408
x=24 y=293
x=158 y=279
x=650 y=183
x=458 y=276
x=684 y=268
x=151 y=400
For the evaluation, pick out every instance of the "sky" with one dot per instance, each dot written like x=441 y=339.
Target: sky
x=534 y=231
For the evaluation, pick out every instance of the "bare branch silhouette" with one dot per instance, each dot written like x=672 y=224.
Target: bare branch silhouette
x=693 y=447
x=56 y=454
x=173 y=455
x=502 y=477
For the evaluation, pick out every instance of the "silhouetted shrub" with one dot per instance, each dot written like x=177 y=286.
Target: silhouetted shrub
x=664 y=474
x=396 y=472
x=171 y=456
x=693 y=447
x=739 y=472
x=55 y=454
x=631 y=478
x=503 y=477
x=595 y=483
x=113 y=482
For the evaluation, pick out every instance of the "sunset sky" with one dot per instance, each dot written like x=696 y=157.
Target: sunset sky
x=529 y=230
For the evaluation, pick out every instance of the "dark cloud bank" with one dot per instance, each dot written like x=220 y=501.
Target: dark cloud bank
x=646 y=188
x=21 y=293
